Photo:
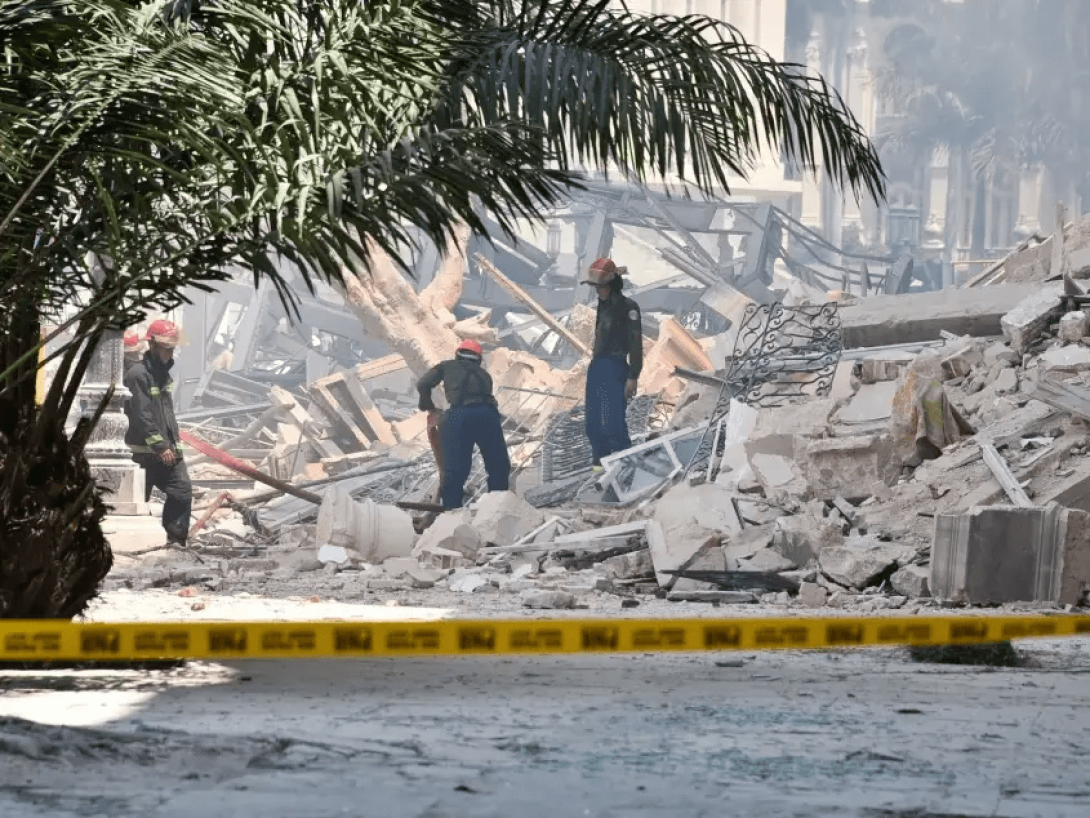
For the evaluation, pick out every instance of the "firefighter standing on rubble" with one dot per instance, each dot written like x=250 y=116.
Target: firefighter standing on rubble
x=473 y=419
x=153 y=434
x=615 y=364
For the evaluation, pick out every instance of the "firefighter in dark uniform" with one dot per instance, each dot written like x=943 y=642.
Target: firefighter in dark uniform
x=153 y=434
x=473 y=419
x=615 y=364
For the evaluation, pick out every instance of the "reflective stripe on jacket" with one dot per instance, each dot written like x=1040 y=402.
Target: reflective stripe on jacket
x=150 y=408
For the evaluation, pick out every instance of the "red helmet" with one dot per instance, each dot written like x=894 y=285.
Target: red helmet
x=470 y=346
x=132 y=340
x=163 y=332
x=602 y=271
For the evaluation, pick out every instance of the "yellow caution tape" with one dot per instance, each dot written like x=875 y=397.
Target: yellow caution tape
x=47 y=640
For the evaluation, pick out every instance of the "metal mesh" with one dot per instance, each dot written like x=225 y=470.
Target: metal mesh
x=566 y=449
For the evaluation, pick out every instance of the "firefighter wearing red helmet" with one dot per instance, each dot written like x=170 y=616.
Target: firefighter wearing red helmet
x=473 y=419
x=135 y=347
x=616 y=362
x=153 y=434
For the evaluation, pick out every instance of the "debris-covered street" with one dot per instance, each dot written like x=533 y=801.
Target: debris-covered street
x=833 y=733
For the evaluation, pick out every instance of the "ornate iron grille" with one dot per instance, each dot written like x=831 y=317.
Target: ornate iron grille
x=781 y=353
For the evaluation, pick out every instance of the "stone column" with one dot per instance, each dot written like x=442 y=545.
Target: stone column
x=110 y=459
x=813 y=182
x=1029 y=204
x=860 y=101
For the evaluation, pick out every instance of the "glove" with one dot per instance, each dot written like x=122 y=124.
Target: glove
x=629 y=389
x=167 y=457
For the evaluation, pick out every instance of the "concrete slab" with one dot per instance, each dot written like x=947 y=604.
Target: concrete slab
x=844 y=466
x=898 y=319
x=873 y=402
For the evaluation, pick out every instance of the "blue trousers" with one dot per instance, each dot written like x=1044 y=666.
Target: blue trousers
x=607 y=429
x=465 y=427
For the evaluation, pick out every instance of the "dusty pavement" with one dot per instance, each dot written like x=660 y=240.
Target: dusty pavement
x=866 y=733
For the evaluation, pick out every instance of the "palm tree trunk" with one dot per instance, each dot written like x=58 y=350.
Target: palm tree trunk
x=53 y=554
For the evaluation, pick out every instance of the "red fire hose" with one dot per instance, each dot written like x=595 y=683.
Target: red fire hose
x=246 y=469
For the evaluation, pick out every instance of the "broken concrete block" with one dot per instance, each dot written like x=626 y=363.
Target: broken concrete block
x=801 y=537
x=549 y=600
x=745 y=544
x=777 y=428
x=501 y=517
x=423 y=576
x=439 y=557
x=960 y=363
x=1000 y=554
x=1060 y=360
x=778 y=475
x=734 y=467
x=466 y=583
x=450 y=532
x=999 y=352
x=767 y=559
x=709 y=557
x=862 y=561
x=1025 y=323
x=523 y=570
x=886 y=367
x=873 y=403
x=629 y=566
x=1072 y=491
x=911 y=581
x=399 y=566
x=844 y=466
x=812 y=595
x=686 y=518
x=1006 y=381
x=1074 y=327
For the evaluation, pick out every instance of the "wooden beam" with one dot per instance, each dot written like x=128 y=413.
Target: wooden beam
x=1003 y=474
x=517 y=292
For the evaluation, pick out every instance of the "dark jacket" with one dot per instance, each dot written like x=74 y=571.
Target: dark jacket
x=152 y=425
x=619 y=331
x=464 y=382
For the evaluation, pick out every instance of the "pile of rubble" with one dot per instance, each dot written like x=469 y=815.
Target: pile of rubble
x=861 y=453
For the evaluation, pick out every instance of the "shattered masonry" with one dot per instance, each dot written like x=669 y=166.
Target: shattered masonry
x=807 y=433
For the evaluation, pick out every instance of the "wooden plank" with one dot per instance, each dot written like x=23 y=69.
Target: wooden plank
x=379 y=367
x=305 y=423
x=367 y=415
x=347 y=431
x=1003 y=474
x=518 y=293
